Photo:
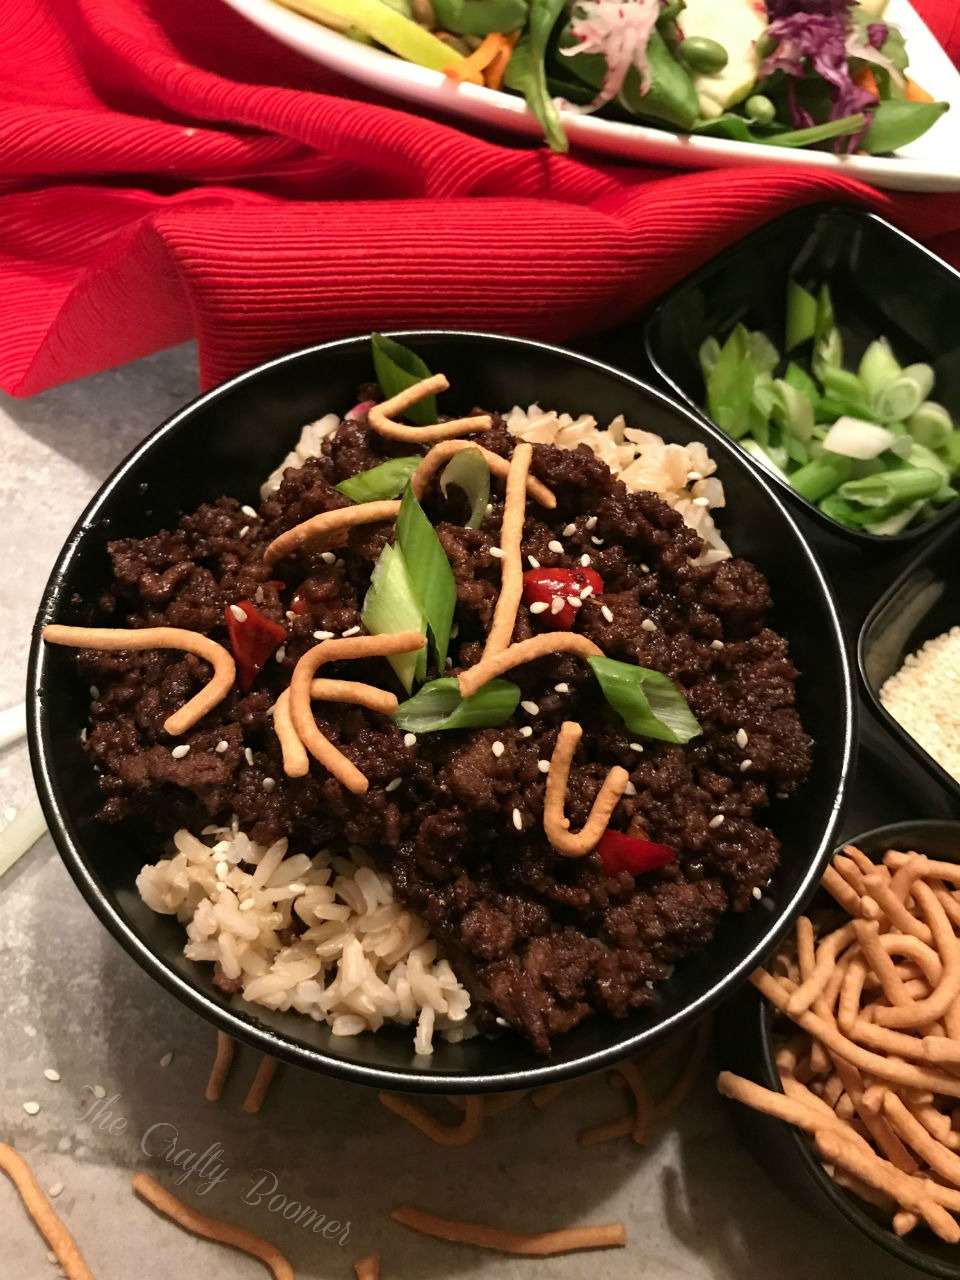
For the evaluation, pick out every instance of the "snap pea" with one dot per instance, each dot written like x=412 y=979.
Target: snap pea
x=760 y=109
x=702 y=55
x=895 y=124
x=481 y=17
x=526 y=71
x=735 y=127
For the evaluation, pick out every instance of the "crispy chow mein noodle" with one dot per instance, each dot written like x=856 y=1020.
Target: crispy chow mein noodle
x=443 y=451
x=526 y=651
x=368 y=1268
x=41 y=1211
x=443 y=1134
x=381 y=416
x=541 y=1245
x=226 y=1047
x=511 y=566
x=257 y=1093
x=329 y=528
x=555 y=823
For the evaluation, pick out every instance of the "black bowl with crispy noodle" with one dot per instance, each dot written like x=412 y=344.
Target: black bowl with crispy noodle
x=227 y=442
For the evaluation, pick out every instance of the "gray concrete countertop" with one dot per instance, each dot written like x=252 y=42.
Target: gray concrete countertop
x=695 y=1205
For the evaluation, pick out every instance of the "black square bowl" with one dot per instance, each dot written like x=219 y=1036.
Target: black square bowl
x=881 y=282
x=922 y=604
x=787 y=1155
x=226 y=442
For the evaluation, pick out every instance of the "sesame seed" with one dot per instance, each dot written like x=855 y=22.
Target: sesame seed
x=607 y=613
x=488 y=509
x=531 y=708
x=497 y=748
x=221 y=746
x=555 y=546
x=539 y=606
x=644 y=568
x=268 y=784
x=745 y=765
x=238 y=613
x=448 y=663
x=168 y=1056
x=517 y=820
x=281 y=653
x=51 y=1074
x=409 y=739
x=31 y=1108
x=716 y=644
x=563 y=687
x=248 y=905
x=393 y=784
x=525 y=731
x=94 y=691
x=498 y=552
x=244 y=531
x=587 y=592
x=454 y=630
x=248 y=756
x=584 y=560
x=351 y=631
x=533 y=562
x=84 y=734
x=290 y=615
x=323 y=635
x=179 y=752
x=556 y=604
x=569 y=530
x=328 y=557
x=629 y=789
x=574 y=601
x=249 y=511
x=742 y=738
x=591 y=522
x=258 y=595
x=597 y=542
x=716 y=821
x=543 y=766
x=701 y=502
x=648 y=624
x=757 y=892
x=636 y=746
x=55 y=1190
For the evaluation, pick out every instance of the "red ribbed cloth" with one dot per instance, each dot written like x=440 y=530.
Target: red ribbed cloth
x=167 y=170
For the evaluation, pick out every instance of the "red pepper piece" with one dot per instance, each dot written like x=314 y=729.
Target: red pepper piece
x=625 y=853
x=253 y=641
x=545 y=586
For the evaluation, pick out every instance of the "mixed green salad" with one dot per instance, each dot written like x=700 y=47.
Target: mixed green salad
x=866 y=445
x=789 y=73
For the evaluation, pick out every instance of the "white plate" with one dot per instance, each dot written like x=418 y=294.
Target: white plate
x=930 y=164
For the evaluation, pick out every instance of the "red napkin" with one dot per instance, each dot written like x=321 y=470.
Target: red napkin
x=167 y=170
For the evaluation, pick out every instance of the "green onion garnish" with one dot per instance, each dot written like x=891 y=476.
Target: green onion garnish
x=392 y=605
x=438 y=705
x=468 y=471
x=379 y=483
x=397 y=367
x=430 y=574
x=648 y=702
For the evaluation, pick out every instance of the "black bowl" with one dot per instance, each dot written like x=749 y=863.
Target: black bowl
x=923 y=603
x=226 y=442
x=881 y=282
x=786 y=1154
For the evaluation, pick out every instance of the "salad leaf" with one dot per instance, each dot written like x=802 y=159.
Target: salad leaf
x=895 y=124
x=438 y=705
x=397 y=367
x=480 y=17
x=429 y=571
x=648 y=702
x=388 y=480
x=526 y=71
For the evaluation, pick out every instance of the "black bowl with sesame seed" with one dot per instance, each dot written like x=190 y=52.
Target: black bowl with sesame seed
x=227 y=442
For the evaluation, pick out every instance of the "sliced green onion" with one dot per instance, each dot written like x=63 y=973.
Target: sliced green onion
x=730 y=385
x=648 y=702
x=923 y=376
x=388 y=480
x=897 y=522
x=912 y=484
x=852 y=438
x=798 y=378
x=764 y=354
x=792 y=411
x=438 y=705
x=763 y=457
x=468 y=470
x=708 y=355
x=821 y=476
x=950 y=452
x=801 y=314
x=878 y=368
x=931 y=425
x=397 y=367
x=900 y=399
x=918 y=455
x=392 y=605
x=430 y=572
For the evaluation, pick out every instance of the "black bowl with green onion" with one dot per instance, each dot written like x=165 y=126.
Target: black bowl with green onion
x=227 y=441
x=827 y=344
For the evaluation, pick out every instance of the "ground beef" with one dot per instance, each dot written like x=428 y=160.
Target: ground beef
x=540 y=940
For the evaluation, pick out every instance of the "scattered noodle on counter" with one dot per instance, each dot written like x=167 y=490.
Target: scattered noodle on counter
x=41 y=1211
x=443 y=1134
x=261 y=1085
x=212 y=1228
x=368 y=1268
x=220 y=1070
x=877 y=1001
x=542 y=1245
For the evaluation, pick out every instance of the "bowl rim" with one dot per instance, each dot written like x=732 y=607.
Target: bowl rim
x=245 y=1026
x=844 y=1202
x=950 y=513
x=906 y=740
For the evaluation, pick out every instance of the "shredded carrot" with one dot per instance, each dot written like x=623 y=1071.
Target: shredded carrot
x=488 y=52
x=867 y=80
x=917 y=93
x=493 y=76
